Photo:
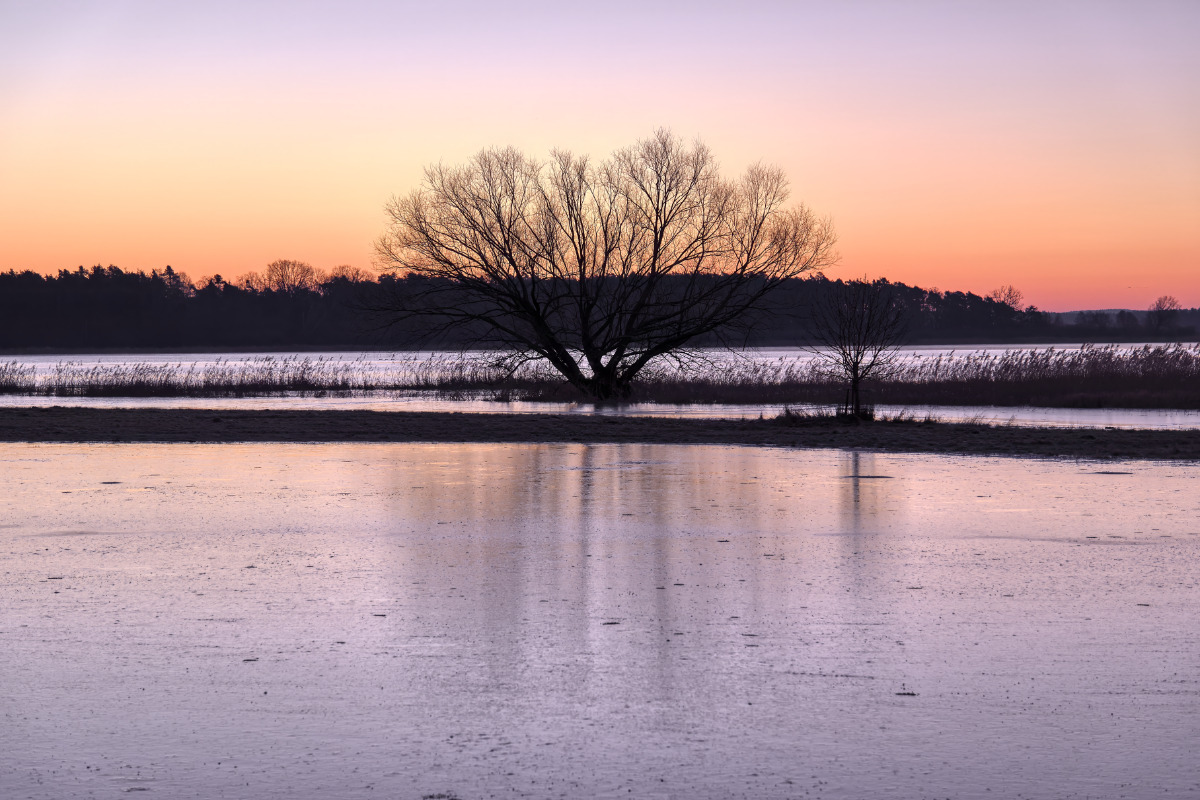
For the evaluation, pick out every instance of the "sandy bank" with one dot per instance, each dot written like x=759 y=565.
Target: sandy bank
x=190 y=425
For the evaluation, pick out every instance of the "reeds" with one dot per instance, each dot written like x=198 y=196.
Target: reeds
x=445 y=376
x=17 y=378
x=1153 y=376
x=1109 y=376
x=262 y=376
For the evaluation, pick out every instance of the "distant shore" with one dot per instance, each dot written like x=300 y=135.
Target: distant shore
x=1041 y=339
x=59 y=424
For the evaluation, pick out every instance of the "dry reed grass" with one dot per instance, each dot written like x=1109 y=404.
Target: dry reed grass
x=1153 y=376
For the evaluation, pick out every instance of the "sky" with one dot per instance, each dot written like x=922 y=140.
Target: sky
x=1054 y=146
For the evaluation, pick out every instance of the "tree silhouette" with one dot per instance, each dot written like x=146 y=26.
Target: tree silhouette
x=288 y=276
x=1009 y=295
x=597 y=268
x=858 y=327
x=1162 y=313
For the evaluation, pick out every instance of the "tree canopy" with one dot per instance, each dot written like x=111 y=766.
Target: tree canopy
x=598 y=268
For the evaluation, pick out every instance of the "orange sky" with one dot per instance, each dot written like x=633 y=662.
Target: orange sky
x=1048 y=145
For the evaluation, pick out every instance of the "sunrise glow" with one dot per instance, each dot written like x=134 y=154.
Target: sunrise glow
x=964 y=146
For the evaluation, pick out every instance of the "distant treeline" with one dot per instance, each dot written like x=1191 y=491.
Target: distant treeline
x=290 y=306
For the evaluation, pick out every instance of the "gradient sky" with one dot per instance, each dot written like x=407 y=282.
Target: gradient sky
x=959 y=145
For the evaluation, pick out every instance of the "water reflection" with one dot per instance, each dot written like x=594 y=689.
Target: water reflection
x=355 y=621
x=866 y=489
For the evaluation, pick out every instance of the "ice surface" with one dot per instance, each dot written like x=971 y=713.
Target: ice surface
x=295 y=621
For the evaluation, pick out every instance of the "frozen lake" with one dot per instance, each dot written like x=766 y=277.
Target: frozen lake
x=354 y=621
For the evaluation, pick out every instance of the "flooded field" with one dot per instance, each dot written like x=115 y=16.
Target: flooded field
x=470 y=621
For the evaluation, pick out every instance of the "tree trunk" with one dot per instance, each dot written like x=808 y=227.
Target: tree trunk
x=608 y=386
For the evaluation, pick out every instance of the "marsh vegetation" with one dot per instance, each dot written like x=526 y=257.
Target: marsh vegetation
x=1150 y=376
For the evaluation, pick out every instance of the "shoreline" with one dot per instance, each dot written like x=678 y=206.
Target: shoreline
x=93 y=425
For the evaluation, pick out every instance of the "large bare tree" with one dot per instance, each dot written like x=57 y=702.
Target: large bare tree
x=598 y=268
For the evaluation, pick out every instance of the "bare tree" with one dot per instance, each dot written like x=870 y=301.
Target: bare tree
x=1009 y=295
x=597 y=268
x=1162 y=313
x=858 y=327
x=351 y=273
x=290 y=276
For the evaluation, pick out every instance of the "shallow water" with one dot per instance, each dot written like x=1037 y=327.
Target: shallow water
x=293 y=621
x=1160 y=419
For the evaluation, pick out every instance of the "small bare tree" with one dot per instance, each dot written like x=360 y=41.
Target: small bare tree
x=351 y=273
x=597 y=268
x=1009 y=295
x=1162 y=313
x=858 y=327
x=289 y=276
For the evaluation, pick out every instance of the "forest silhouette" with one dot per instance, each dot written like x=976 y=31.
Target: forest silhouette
x=108 y=308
